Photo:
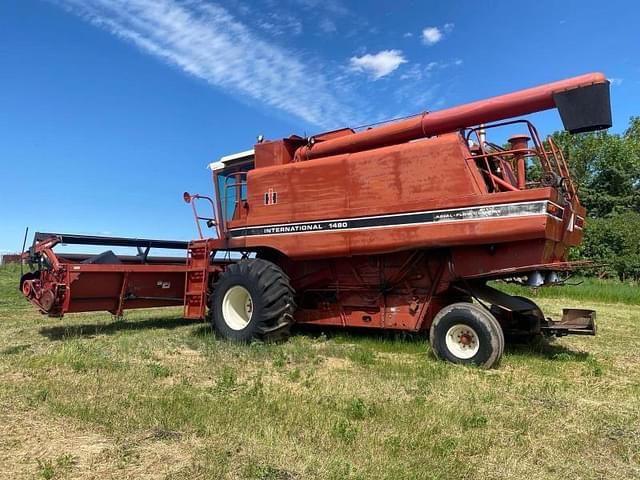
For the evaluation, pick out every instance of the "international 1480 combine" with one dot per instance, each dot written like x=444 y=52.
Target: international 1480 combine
x=395 y=227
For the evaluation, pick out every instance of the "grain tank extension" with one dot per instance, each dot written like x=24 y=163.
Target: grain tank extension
x=399 y=227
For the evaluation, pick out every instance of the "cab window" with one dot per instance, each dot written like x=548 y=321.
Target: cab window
x=232 y=185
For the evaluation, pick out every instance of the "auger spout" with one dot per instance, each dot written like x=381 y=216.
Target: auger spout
x=583 y=102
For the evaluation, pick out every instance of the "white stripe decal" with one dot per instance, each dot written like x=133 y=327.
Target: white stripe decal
x=507 y=210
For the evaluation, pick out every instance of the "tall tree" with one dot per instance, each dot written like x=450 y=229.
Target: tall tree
x=606 y=168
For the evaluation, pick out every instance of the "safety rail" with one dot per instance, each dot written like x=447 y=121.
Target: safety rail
x=510 y=172
x=211 y=221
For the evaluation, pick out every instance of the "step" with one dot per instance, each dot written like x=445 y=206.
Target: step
x=195 y=293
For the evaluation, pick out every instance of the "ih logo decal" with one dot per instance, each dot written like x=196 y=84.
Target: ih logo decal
x=271 y=197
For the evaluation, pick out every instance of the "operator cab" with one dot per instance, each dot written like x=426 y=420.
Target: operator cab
x=230 y=182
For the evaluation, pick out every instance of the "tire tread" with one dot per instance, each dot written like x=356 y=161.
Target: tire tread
x=276 y=300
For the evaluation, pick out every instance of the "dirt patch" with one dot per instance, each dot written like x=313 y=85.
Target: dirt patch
x=185 y=356
x=335 y=363
x=31 y=444
x=35 y=446
x=14 y=377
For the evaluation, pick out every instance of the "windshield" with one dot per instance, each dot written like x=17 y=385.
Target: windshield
x=232 y=188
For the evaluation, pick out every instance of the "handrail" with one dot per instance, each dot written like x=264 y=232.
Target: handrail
x=551 y=159
x=211 y=221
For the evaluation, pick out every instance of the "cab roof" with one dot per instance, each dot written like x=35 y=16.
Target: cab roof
x=233 y=159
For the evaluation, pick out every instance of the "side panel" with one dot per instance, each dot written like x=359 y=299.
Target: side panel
x=391 y=179
x=388 y=233
x=400 y=178
x=425 y=194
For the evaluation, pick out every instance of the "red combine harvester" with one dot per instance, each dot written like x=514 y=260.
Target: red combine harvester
x=395 y=227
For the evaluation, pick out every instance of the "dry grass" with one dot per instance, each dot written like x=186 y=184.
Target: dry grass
x=159 y=397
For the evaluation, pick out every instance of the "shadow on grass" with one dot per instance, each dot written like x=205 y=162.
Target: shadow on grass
x=540 y=348
x=62 y=332
x=205 y=331
x=355 y=333
x=341 y=334
x=550 y=351
x=395 y=340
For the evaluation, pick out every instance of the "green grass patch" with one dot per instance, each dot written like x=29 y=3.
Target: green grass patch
x=591 y=289
x=159 y=396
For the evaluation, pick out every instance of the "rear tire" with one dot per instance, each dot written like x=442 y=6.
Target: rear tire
x=466 y=333
x=252 y=300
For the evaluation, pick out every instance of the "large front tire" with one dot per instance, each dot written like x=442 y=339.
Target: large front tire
x=252 y=300
x=466 y=333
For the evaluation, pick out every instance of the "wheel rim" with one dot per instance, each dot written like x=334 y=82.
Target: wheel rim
x=237 y=307
x=462 y=341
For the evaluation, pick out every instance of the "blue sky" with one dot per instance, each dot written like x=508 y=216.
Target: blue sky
x=110 y=109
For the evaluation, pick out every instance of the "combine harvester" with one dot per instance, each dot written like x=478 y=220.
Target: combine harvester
x=395 y=227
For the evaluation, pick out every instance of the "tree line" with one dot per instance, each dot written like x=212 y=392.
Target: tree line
x=606 y=168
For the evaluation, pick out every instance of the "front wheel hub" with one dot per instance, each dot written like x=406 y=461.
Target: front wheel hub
x=237 y=307
x=462 y=341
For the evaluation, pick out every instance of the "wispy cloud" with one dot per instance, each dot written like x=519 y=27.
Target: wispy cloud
x=207 y=41
x=327 y=25
x=244 y=57
x=332 y=6
x=414 y=72
x=378 y=65
x=432 y=66
x=432 y=35
x=616 y=81
x=418 y=71
x=279 y=24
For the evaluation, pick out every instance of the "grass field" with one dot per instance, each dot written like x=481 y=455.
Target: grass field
x=588 y=289
x=155 y=396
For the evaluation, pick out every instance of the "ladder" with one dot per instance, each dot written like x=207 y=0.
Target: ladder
x=196 y=282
